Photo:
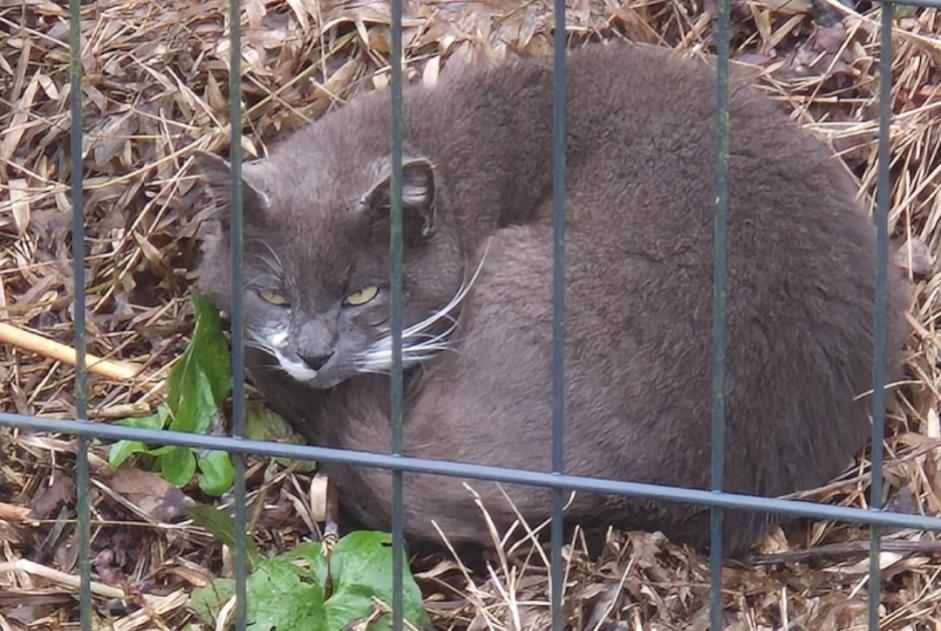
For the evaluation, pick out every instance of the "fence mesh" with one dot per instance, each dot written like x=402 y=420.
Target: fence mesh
x=395 y=461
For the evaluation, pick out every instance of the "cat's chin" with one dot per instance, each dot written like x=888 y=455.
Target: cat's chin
x=327 y=377
x=323 y=379
x=297 y=370
x=328 y=380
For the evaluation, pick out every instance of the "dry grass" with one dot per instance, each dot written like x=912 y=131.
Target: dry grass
x=154 y=91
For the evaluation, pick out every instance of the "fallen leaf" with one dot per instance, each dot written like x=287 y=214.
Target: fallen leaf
x=916 y=256
x=50 y=497
x=828 y=38
x=431 y=70
x=932 y=470
x=151 y=493
x=19 y=202
x=194 y=574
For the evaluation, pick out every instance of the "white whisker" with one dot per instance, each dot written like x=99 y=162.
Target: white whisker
x=418 y=343
x=269 y=259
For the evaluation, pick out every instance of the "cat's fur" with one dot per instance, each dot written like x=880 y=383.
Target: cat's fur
x=640 y=203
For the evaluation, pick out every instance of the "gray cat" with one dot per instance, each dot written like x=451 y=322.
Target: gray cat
x=478 y=291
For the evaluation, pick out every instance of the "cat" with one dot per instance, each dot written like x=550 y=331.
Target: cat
x=477 y=297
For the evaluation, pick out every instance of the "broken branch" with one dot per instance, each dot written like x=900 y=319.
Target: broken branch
x=112 y=369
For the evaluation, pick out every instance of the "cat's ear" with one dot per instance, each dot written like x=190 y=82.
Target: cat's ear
x=418 y=197
x=216 y=173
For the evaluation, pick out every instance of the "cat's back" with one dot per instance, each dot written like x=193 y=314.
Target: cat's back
x=641 y=155
x=640 y=125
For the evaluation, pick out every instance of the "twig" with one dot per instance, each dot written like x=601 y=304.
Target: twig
x=112 y=369
x=847 y=549
x=12 y=512
x=69 y=580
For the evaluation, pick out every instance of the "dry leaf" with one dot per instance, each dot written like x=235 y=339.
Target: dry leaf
x=47 y=501
x=828 y=38
x=19 y=203
x=151 y=493
x=916 y=256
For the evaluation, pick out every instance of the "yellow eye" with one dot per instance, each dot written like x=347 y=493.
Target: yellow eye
x=272 y=297
x=362 y=296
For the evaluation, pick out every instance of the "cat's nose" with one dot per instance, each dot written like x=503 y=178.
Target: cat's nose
x=316 y=361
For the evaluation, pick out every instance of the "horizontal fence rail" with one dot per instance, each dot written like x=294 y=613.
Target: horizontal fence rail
x=714 y=498
x=509 y=475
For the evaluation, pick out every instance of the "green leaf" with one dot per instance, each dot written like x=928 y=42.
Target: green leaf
x=208 y=354
x=284 y=597
x=361 y=567
x=198 y=383
x=308 y=554
x=122 y=450
x=215 y=473
x=196 y=404
x=161 y=451
x=178 y=465
x=157 y=420
x=211 y=346
x=222 y=527
x=903 y=10
x=287 y=593
x=262 y=423
x=206 y=601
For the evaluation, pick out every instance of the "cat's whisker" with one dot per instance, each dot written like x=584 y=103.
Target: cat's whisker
x=380 y=361
x=444 y=312
x=412 y=353
x=255 y=342
x=270 y=367
x=418 y=342
x=275 y=259
x=269 y=259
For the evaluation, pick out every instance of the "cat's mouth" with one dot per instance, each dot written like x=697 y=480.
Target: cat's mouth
x=325 y=376
x=297 y=369
x=419 y=344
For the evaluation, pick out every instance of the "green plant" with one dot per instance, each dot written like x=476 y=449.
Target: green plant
x=302 y=588
x=306 y=590
x=198 y=384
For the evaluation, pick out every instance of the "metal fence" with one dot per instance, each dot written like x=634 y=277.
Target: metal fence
x=398 y=463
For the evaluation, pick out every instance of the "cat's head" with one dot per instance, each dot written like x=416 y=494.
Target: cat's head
x=316 y=263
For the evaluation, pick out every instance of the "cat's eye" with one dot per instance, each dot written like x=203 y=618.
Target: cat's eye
x=273 y=297
x=362 y=296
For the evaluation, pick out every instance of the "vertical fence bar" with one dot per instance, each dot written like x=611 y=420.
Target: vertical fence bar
x=78 y=275
x=883 y=199
x=718 y=312
x=395 y=283
x=235 y=252
x=558 y=303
